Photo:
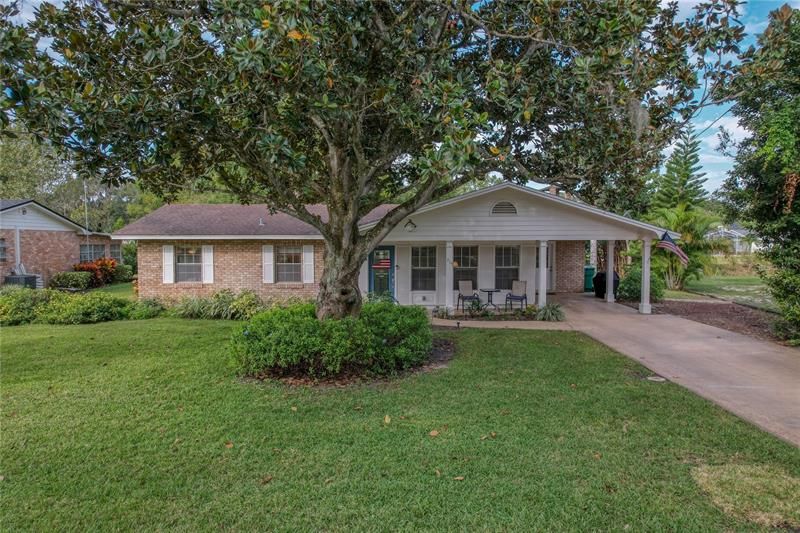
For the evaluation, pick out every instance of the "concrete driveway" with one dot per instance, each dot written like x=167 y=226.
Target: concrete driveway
x=754 y=379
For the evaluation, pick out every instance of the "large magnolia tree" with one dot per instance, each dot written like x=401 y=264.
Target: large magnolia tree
x=356 y=103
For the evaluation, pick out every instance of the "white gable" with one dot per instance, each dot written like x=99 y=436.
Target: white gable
x=31 y=216
x=476 y=217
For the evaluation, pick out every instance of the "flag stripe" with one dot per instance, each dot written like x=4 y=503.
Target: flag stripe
x=666 y=243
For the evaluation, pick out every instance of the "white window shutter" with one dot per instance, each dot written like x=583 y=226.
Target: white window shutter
x=308 y=263
x=268 y=263
x=208 y=263
x=168 y=263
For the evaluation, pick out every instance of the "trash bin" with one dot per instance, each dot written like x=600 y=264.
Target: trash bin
x=599 y=281
x=25 y=280
x=588 y=274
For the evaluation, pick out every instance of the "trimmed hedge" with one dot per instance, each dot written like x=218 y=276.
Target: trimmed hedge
x=122 y=273
x=48 y=306
x=71 y=280
x=291 y=341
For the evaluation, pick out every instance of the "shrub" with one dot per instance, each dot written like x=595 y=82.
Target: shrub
x=71 y=280
x=550 y=313
x=246 y=305
x=85 y=308
x=290 y=340
x=21 y=305
x=123 y=274
x=129 y=255
x=630 y=288
x=102 y=270
x=144 y=309
x=220 y=303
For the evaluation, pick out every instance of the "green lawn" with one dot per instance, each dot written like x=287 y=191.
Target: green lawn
x=683 y=295
x=119 y=289
x=143 y=425
x=742 y=289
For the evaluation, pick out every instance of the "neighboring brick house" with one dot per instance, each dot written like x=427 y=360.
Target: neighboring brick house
x=43 y=242
x=490 y=237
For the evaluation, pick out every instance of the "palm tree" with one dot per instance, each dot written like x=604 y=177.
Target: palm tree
x=693 y=224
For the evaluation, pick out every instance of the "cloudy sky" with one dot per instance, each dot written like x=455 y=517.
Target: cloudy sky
x=707 y=123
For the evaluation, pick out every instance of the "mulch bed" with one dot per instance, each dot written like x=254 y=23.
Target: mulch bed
x=725 y=315
x=442 y=353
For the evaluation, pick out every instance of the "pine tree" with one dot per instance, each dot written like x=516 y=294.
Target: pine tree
x=682 y=182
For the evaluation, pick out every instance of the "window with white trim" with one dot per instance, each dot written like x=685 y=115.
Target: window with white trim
x=115 y=252
x=90 y=252
x=465 y=265
x=423 y=268
x=289 y=264
x=506 y=266
x=188 y=263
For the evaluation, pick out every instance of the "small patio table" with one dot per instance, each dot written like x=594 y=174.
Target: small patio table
x=489 y=294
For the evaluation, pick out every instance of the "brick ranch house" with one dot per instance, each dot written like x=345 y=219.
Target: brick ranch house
x=43 y=242
x=492 y=237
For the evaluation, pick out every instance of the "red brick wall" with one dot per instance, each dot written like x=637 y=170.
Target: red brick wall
x=570 y=259
x=237 y=266
x=45 y=252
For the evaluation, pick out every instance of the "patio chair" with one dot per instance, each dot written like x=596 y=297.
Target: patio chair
x=518 y=294
x=466 y=294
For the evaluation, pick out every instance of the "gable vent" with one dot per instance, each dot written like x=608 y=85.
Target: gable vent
x=504 y=208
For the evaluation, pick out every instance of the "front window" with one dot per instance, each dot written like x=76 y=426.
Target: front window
x=115 y=252
x=3 y=251
x=90 y=252
x=188 y=263
x=465 y=265
x=506 y=266
x=289 y=264
x=423 y=268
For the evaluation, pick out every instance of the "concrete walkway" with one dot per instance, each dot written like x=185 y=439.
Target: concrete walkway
x=754 y=379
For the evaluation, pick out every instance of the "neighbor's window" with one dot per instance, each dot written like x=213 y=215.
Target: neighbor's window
x=423 y=268
x=90 y=252
x=506 y=266
x=289 y=264
x=188 y=263
x=2 y=250
x=115 y=252
x=465 y=265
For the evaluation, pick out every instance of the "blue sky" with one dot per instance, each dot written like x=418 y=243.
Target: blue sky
x=754 y=15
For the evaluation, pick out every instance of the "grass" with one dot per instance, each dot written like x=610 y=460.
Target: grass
x=683 y=295
x=124 y=290
x=741 y=289
x=143 y=425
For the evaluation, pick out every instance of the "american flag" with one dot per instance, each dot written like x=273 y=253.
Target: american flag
x=667 y=243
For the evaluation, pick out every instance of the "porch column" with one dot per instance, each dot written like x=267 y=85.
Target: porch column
x=610 y=272
x=448 y=275
x=644 y=304
x=541 y=272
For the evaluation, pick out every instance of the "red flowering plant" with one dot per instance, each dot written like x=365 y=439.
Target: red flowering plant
x=102 y=270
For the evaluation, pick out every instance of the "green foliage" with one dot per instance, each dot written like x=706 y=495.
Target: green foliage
x=221 y=305
x=71 y=280
x=191 y=307
x=20 y=305
x=87 y=308
x=292 y=341
x=763 y=189
x=245 y=305
x=693 y=225
x=122 y=273
x=630 y=287
x=682 y=182
x=144 y=309
x=551 y=312
x=129 y=256
x=355 y=104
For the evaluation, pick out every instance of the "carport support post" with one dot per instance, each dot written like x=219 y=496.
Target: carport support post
x=541 y=272
x=448 y=275
x=610 y=272
x=644 y=304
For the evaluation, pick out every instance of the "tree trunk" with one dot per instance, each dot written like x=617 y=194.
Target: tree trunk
x=339 y=295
